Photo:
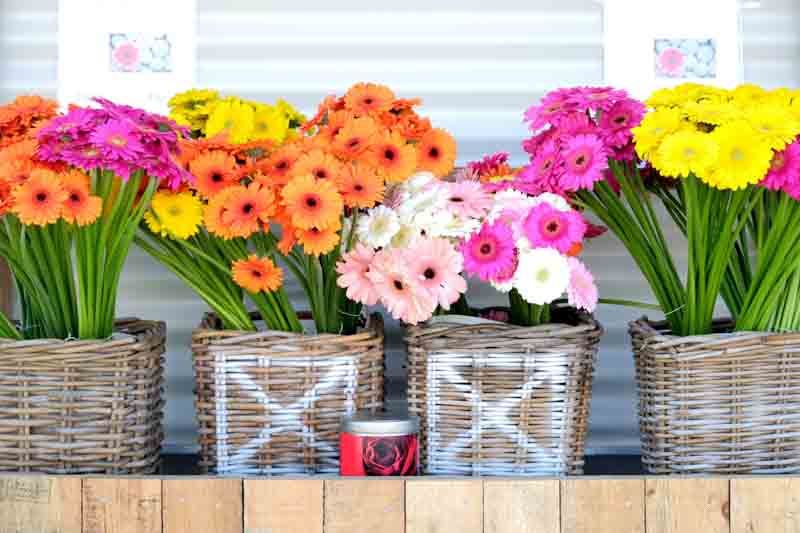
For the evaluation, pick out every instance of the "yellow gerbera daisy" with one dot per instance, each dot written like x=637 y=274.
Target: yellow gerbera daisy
x=686 y=152
x=176 y=215
x=743 y=158
x=296 y=118
x=747 y=93
x=774 y=123
x=654 y=127
x=269 y=123
x=712 y=111
x=233 y=117
x=192 y=97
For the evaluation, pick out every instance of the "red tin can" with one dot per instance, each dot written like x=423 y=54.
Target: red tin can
x=379 y=445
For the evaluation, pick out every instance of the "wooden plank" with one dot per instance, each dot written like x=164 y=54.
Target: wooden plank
x=39 y=504
x=202 y=505
x=602 y=506
x=364 y=505
x=521 y=506
x=120 y=505
x=446 y=506
x=690 y=504
x=765 y=505
x=283 y=506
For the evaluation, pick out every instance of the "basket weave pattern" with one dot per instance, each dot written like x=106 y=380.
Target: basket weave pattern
x=271 y=402
x=497 y=399
x=726 y=403
x=88 y=406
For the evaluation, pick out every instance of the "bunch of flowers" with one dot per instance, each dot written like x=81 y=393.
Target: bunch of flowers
x=80 y=187
x=297 y=203
x=21 y=118
x=233 y=119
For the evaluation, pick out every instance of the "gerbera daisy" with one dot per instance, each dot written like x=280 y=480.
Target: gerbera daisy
x=16 y=172
x=336 y=120
x=232 y=119
x=279 y=165
x=654 y=127
x=744 y=158
x=542 y=276
x=467 y=199
x=175 y=214
x=686 y=152
x=581 y=291
x=257 y=274
x=784 y=171
x=617 y=122
x=412 y=126
x=436 y=152
x=369 y=98
x=354 y=138
x=353 y=269
x=436 y=265
x=401 y=294
x=213 y=171
x=247 y=208
x=546 y=226
x=392 y=157
x=772 y=123
x=316 y=241
x=40 y=200
x=269 y=123
x=360 y=186
x=585 y=159
x=312 y=202
x=319 y=164
x=378 y=227
x=117 y=139
x=80 y=206
x=489 y=252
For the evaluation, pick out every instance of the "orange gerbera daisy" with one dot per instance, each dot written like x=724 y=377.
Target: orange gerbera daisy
x=360 y=187
x=214 y=211
x=279 y=165
x=40 y=200
x=247 y=209
x=16 y=172
x=24 y=149
x=318 y=163
x=369 y=98
x=317 y=241
x=213 y=171
x=288 y=231
x=334 y=124
x=412 y=126
x=392 y=157
x=257 y=274
x=354 y=138
x=80 y=206
x=312 y=202
x=436 y=152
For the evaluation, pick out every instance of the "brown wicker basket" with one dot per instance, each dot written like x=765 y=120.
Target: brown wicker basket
x=497 y=399
x=724 y=403
x=271 y=402
x=88 y=406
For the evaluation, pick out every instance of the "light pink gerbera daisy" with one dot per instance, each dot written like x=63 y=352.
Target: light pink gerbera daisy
x=581 y=291
x=467 y=199
x=784 y=172
x=402 y=295
x=547 y=226
x=436 y=265
x=489 y=252
x=353 y=272
x=585 y=159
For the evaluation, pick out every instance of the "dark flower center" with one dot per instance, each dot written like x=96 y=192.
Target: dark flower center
x=368 y=101
x=321 y=173
x=256 y=273
x=433 y=152
x=456 y=199
x=358 y=187
x=247 y=208
x=486 y=248
x=429 y=273
x=311 y=202
x=552 y=226
x=216 y=177
x=74 y=197
x=389 y=154
x=621 y=119
x=282 y=165
x=352 y=143
x=580 y=160
x=41 y=197
x=398 y=285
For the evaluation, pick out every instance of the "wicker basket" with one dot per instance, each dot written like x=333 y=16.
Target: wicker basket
x=271 y=402
x=497 y=399
x=90 y=406
x=725 y=403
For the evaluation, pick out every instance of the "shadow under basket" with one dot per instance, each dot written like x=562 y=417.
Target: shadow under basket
x=498 y=399
x=83 y=406
x=270 y=402
x=723 y=403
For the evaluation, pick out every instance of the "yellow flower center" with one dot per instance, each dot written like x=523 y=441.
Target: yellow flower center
x=737 y=154
x=542 y=275
x=689 y=153
x=174 y=211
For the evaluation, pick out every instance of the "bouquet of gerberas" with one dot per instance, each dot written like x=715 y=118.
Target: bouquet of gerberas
x=71 y=199
x=298 y=204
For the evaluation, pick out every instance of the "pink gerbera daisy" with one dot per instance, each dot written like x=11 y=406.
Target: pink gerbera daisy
x=467 y=199
x=784 y=172
x=437 y=266
x=581 y=291
x=489 y=252
x=117 y=139
x=618 y=121
x=585 y=159
x=402 y=295
x=353 y=275
x=596 y=98
x=547 y=226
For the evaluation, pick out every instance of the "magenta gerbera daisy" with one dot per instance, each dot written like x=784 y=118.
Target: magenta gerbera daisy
x=489 y=252
x=585 y=159
x=617 y=122
x=547 y=226
x=784 y=172
x=117 y=139
x=437 y=266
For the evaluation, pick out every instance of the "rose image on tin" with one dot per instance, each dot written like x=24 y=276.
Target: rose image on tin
x=390 y=456
x=379 y=445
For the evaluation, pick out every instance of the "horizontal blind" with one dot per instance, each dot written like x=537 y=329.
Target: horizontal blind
x=477 y=66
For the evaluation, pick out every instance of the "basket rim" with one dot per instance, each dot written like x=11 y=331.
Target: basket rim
x=120 y=336
x=586 y=322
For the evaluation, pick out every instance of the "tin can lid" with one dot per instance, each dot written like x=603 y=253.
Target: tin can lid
x=380 y=424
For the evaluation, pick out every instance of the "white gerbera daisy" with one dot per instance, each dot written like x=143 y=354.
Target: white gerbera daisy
x=378 y=227
x=418 y=181
x=555 y=201
x=509 y=200
x=542 y=275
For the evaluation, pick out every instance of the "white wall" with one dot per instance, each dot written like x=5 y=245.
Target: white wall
x=476 y=64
